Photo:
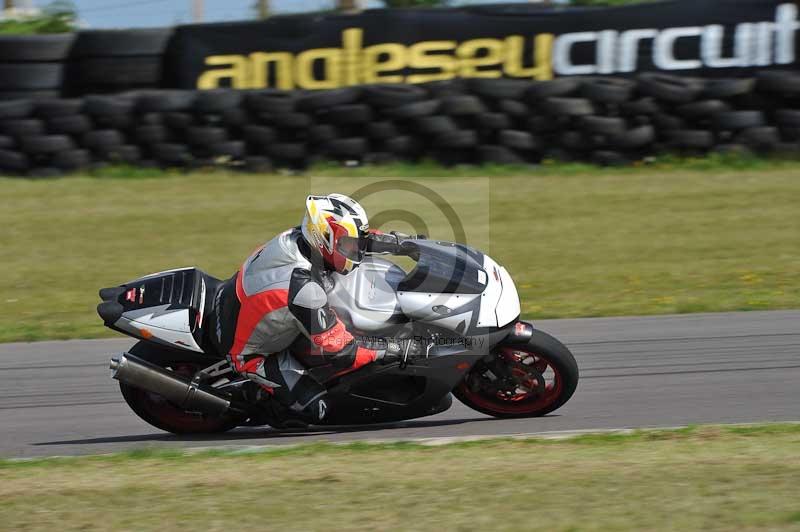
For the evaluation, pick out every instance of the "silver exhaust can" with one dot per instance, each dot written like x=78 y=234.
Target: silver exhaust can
x=179 y=390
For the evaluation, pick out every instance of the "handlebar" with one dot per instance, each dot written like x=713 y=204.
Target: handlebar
x=391 y=243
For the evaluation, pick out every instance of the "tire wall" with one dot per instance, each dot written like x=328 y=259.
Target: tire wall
x=88 y=62
x=602 y=120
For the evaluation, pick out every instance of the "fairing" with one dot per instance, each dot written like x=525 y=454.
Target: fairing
x=367 y=296
x=457 y=288
x=168 y=308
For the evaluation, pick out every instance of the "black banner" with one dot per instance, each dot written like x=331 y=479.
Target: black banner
x=693 y=37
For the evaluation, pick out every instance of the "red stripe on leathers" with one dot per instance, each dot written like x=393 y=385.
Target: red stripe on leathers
x=252 y=311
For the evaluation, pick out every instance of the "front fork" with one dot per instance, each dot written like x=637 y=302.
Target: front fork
x=518 y=335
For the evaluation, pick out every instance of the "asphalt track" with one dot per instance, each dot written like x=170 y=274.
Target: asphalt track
x=56 y=398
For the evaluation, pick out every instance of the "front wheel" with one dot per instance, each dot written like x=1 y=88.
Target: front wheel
x=521 y=380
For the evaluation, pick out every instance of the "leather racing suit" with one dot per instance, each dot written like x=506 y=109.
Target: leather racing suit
x=283 y=311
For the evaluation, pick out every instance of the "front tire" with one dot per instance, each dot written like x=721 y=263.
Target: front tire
x=164 y=415
x=521 y=380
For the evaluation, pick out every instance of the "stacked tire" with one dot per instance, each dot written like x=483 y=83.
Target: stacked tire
x=607 y=121
x=33 y=66
x=110 y=61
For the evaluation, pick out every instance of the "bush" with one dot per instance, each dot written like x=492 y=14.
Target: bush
x=57 y=17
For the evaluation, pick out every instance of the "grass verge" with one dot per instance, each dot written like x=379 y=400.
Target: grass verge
x=579 y=241
x=710 y=478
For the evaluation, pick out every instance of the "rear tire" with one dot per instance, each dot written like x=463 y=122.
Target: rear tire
x=164 y=415
x=553 y=395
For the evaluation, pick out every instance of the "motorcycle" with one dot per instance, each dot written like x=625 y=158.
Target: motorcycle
x=458 y=302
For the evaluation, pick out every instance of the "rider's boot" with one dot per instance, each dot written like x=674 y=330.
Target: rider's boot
x=282 y=416
x=298 y=399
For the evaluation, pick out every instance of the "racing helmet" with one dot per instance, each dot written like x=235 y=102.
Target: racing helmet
x=335 y=226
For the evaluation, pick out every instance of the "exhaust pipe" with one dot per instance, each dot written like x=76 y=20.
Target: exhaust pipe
x=187 y=394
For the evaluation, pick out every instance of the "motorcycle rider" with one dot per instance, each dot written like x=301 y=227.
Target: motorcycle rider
x=279 y=324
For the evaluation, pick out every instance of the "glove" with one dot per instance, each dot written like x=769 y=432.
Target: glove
x=382 y=243
x=402 y=350
x=389 y=243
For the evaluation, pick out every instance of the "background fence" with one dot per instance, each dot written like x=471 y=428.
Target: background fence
x=708 y=38
x=468 y=85
x=604 y=120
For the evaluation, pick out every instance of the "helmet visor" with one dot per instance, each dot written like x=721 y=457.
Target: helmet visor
x=352 y=248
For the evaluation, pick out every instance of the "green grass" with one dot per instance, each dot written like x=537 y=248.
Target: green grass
x=579 y=241
x=662 y=164
x=710 y=478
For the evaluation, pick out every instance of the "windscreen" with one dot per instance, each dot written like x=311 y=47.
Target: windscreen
x=445 y=268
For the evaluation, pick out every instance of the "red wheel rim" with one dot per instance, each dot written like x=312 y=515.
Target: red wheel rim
x=521 y=401
x=167 y=412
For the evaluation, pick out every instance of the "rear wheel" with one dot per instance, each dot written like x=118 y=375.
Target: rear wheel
x=521 y=380
x=163 y=414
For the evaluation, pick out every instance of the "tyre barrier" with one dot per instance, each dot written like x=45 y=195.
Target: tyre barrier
x=33 y=66
x=109 y=61
x=87 y=62
x=608 y=121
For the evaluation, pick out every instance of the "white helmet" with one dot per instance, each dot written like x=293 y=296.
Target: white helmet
x=336 y=227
